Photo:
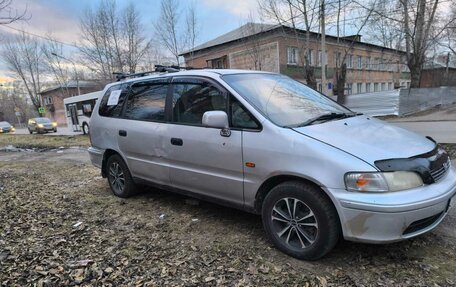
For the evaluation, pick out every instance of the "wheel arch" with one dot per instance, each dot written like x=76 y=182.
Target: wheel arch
x=275 y=180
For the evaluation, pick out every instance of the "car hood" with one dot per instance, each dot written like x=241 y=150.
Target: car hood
x=369 y=139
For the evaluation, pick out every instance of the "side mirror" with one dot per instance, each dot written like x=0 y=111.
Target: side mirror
x=215 y=119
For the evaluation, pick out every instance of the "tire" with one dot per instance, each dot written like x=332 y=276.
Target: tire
x=117 y=173
x=55 y=130
x=85 y=128
x=30 y=131
x=311 y=231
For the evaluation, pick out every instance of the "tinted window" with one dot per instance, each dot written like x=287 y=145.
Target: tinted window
x=112 y=108
x=147 y=102
x=240 y=116
x=192 y=99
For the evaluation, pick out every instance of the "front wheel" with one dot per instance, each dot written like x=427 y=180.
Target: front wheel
x=300 y=220
x=55 y=130
x=119 y=177
x=30 y=131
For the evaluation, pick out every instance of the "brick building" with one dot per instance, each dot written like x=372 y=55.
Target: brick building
x=278 y=48
x=52 y=98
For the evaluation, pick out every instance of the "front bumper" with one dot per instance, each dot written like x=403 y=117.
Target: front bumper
x=394 y=216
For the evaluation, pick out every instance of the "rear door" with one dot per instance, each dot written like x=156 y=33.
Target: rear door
x=141 y=135
x=201 y=159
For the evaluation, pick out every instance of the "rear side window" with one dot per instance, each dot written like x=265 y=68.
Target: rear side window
x=112 y=102
x=192 y=99
x=147 y=101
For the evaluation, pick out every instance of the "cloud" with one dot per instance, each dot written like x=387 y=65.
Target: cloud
x=240 y=8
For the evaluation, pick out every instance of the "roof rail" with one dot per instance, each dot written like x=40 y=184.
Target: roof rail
x=158 y=69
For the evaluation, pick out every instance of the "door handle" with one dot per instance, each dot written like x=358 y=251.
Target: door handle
x=122 y=133
x=176 y=141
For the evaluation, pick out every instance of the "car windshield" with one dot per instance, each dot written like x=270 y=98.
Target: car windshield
x=4 y=124
x=284 y=101
x=43 y=120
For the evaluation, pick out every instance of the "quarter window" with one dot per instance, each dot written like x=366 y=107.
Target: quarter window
x=192 y=99
x=113 y=107
x=147 y=101
x=240 y=117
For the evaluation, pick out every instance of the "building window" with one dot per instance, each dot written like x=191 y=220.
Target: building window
x=368 y=87
x=368 y=63
x=319 y=58
x=310 y=57
x=376 y=64
x=47 y=100
x=359 y=88
x=360 y=62
x=292 y=56
x=375 y=87
x=337 y=58
x=349 y=61
x=383 y=86
x=390 y=86
x=349 y=88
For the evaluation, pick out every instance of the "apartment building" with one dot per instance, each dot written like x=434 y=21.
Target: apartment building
x=281 y=49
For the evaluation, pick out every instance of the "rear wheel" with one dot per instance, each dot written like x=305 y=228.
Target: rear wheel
x=30 y=131
x=300 y=220
x=119 y=177
x=55 y=130
x=85 y=128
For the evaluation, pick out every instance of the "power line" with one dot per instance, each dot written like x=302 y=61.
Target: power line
x=40 y=36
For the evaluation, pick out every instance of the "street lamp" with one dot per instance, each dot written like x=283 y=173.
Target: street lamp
x=74 y=68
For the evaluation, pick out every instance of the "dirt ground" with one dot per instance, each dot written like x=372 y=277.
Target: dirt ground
x=60 y=225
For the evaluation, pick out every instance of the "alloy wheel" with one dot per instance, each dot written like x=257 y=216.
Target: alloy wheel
x=117 y=177
x=294 y=223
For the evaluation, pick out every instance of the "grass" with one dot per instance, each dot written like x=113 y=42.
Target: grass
x=43 y=141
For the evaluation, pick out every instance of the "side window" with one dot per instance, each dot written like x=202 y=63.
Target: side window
x=192 y=99
x=111 y=104
x=147 y=101
x=240 y=116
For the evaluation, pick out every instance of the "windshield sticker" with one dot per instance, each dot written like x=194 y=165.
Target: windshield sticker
x=114 y=98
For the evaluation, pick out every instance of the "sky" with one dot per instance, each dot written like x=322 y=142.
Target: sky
x=61 y=18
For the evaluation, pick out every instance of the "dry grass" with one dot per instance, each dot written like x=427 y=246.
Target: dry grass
x=43 y=141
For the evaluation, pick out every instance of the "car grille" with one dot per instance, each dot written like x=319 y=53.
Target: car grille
x=439 y=172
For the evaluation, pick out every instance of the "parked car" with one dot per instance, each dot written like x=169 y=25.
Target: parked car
x=41 y=125
x=267 y=144
x=6 y=127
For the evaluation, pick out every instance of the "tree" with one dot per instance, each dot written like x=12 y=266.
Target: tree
x=288 y=12
x=54 y=64
x=341 y=64
x=136 y=43
x=9 y=15
x=24 y=57
x=112 y=40
x=167 y=30
x=192 y=28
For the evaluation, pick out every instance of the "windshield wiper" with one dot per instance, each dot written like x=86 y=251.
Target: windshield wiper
x=325 y=118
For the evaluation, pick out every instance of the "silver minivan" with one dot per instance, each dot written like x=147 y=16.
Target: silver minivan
x=264 y=143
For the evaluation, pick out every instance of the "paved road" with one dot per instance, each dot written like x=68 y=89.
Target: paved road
x=441 y=131
x=60 y=131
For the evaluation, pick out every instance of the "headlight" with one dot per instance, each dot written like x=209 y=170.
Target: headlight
x=13 y=129
x=54 y=124
x=1 y=130
x=382 y=181
x=40 y=126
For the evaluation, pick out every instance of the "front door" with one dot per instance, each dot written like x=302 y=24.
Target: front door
x=201 y=160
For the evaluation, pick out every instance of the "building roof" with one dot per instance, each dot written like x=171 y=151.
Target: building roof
x=244 y=31
x=71 y=84
x=251 y=29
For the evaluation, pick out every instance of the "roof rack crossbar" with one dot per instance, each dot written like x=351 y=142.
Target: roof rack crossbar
x=158 y=69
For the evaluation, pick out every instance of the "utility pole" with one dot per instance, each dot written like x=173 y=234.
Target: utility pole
x=323 y=47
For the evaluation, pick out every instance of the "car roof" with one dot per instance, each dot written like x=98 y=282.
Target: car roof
x=195 y=72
